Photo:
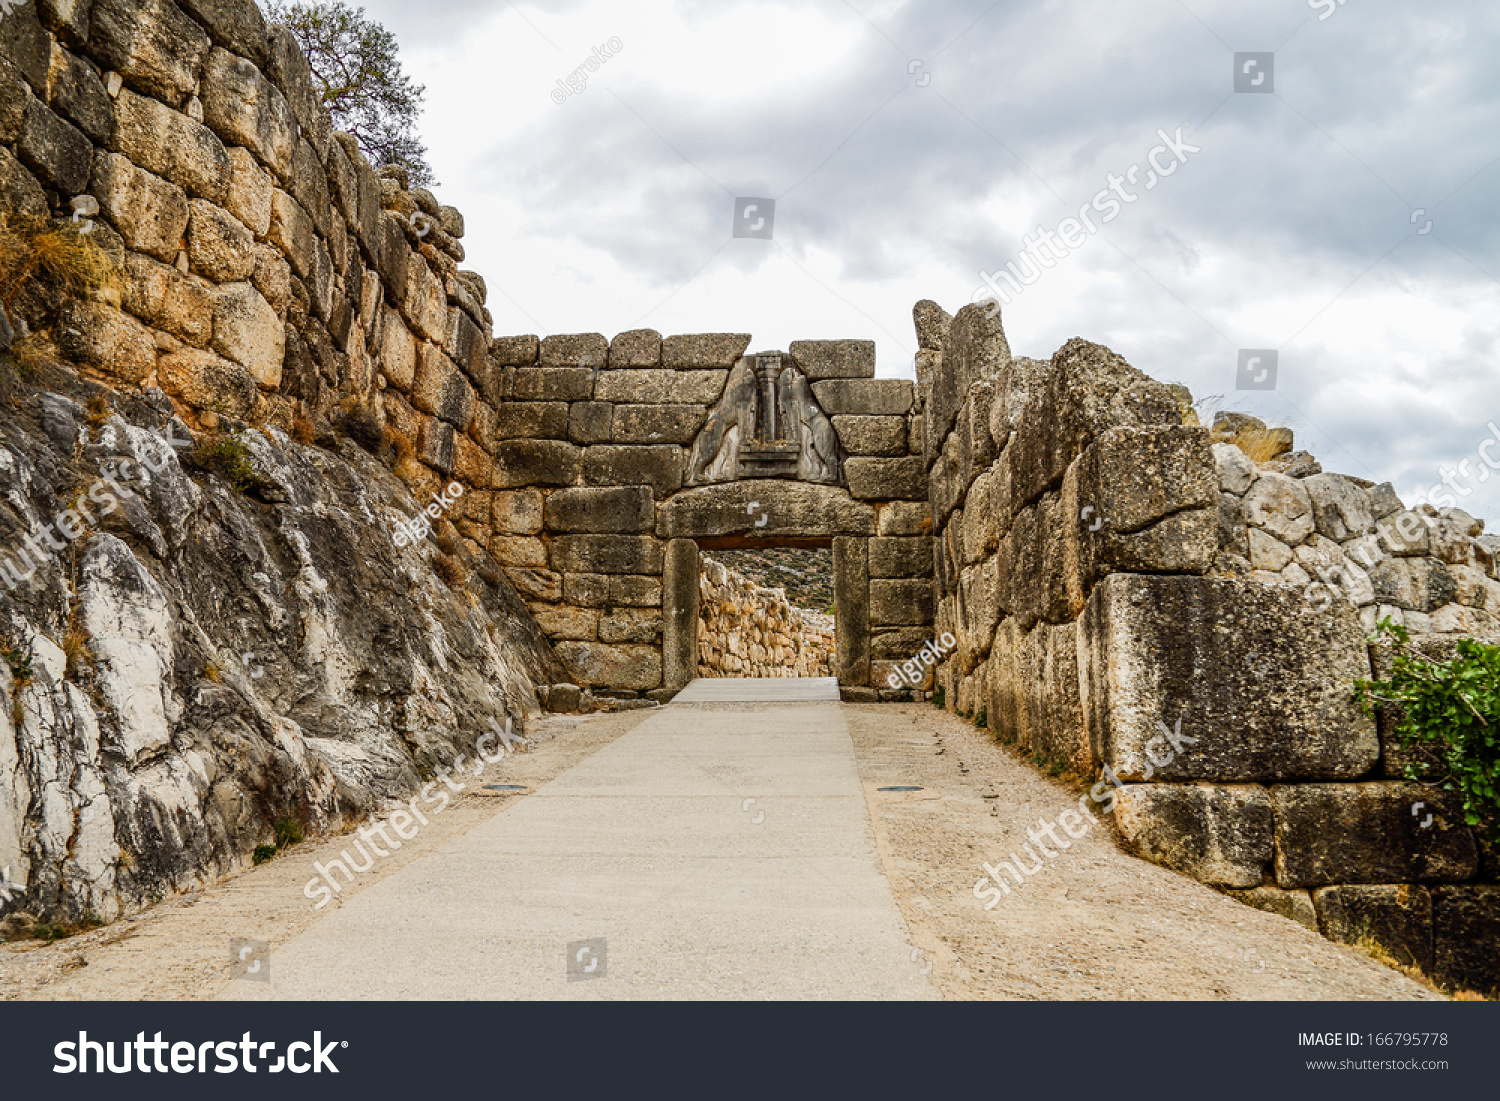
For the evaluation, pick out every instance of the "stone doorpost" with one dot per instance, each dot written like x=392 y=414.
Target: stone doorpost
x=679 y=598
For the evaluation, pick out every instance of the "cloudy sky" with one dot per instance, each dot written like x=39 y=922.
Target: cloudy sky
x=1344 y=219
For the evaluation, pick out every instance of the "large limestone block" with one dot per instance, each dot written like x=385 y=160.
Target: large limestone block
x=1236 y=472
x=613 y=510
x=1295 y=905
x=824 y=359
x=900 y=603
x=1417 y=584
x=637 y=348
x=1367 y=833
x=677 y=424
x=151 y=43
x=537 y=584
x=55 y=150
x=426 y=302
x=657 y=465
x=905 y=518
x=247 y=331
x=517 y=512
x=293 y=232
x=575 y=350
x=635 y=590
x=764 y=508
x=565 y=622
x=637 y=554
x=550 y=383
x=901 y=557
x=1218 y=835
x=234 y=24
x=519 y=551
x=249 y=195
x=246 y=109
x=631 y=625
x=220 y=248
x=515 y=351
x=1397 y=917
x=884 y=436
x=164 y=298
x=1466 y=928
x=532 y=420
x=591 y=422
x=631 y=666
x=289 y=70
x=851 y=586
x=172 y=146
x=974 y=349
x=106 y=338
x=204 y=380
x=1341 y=508
x=872 y=479
x=1087 y=390
x=535 y=462
x=931 y=322
x=1263 y=686
x=698 y=350
x=398 y=352
x=149 y=213
x=1281 y=506
x=661 y=386
x=864 y=397
x=441 y=389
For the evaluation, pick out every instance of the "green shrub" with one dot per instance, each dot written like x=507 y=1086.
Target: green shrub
x=1451 y=707
x=981 y=719
x=224 y=455
x=263 y=853
x=288 y=833
x=938 y=697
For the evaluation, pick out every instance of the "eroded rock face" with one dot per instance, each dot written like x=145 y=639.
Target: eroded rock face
x=189 y=664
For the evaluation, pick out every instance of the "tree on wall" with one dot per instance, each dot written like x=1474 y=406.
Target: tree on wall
x=355 y=64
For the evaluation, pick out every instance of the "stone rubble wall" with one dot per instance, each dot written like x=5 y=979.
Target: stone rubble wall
x=1106 y=565
x=745 y=630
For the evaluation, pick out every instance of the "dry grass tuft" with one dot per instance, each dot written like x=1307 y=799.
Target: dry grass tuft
x=450 y=569
x=1261 y=445
x=36 y=248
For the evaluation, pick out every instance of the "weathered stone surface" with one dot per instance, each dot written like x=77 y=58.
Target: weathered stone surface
x=249 y=194
x=905 y=518
x=901 y=557
x=825 y=359
x=517 y=511
x=661 y=387
x=288 y=68
x=1466 y=923
x=437 y=447
x=1404 y=534
x=535 y=462
x=172 y=146
x=607 y=554
x=657 y=423
x=636 y=348
x=234 y=24
x=635 y=591
x=78 y=95
x=587 y=590
x=619 y=509
x=1341 y=509
x=871 y=397
x=659 y=466
x=245 y=109
x=1268 y=552
x=1281 y=506
x=1218 y=835
x=974 y=349
x=591 y=422
x=680 y=581
x=872 y=479
x=220 y=248
x=1366 y=833
x=149 y=213
x=551 y=383
x=247 y=331
x=565 y=622
x=55 y=150
x=294 y=233
x=595 y=665
x=1418 y=584
x=904 y=603
x=398 y=352
x=208 y=382
x=514 y=351
x=575 y=350
x=631 y=625
x=931 y=322
x=519 y=551
x=1398 y=918
x=537 y=584
x=851 y=586
x=103 y=337
x=152 y=44
x=697 y=350
x=789 y=509
x=532 y=420
x=885 y=436
x=1236 y=472
x=1272 y=705
x=166 y=299
x=1296 y=905
x=441 y=389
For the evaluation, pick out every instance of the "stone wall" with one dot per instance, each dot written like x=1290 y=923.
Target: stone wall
x=745 y=630
x=1106 y=565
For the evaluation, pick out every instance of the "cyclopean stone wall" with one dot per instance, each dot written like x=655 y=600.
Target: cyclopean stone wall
x=1106 y=567
x=746 y=630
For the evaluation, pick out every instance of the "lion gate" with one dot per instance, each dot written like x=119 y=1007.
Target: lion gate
x=618 y=460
